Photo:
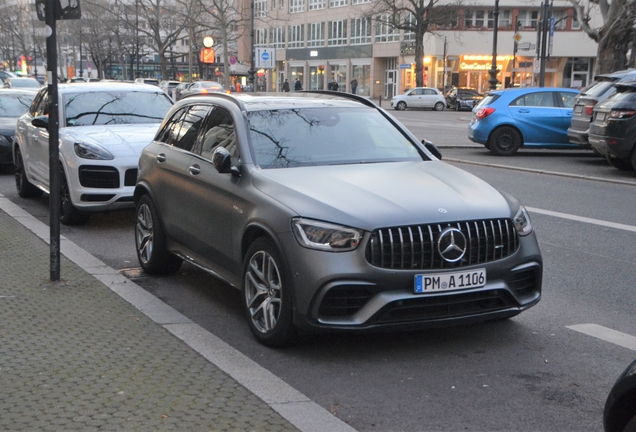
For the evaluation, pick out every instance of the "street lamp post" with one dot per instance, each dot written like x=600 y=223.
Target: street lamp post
x=81 y=71
x=493 y=70
x=252 y=72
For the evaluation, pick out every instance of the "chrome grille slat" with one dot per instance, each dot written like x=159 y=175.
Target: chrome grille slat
x=398 y=248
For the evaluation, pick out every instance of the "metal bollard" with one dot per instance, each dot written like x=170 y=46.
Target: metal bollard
x=380 y=100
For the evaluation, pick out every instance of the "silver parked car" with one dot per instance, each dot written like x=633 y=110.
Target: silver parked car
x=419 y=97
x=328 y=214
x=103 y=128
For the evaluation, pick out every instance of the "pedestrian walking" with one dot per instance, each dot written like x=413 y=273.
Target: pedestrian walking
x=334 y=85
x=297 y=85
x=286 y=85
x=354 y=85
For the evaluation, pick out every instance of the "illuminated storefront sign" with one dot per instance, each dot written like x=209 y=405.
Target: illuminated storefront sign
x=474 y=66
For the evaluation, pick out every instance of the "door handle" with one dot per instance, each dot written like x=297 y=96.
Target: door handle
x=194 y=169
x=161 y=157
x=524 y=111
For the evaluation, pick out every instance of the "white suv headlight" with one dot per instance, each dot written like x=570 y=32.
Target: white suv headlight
x=91 y=151
x=325 y=236
x=522 y=222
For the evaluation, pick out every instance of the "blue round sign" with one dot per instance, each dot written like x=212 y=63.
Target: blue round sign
x=265 y=56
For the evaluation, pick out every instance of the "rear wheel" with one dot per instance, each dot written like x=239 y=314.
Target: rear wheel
x=504 y=141
x=69 y=214
x=634 y=158
x=621 y=164
x=439 y=106
x=150 y=241
x=400 y=106
x=267 y=295
x=457 y=106
x=25 y=188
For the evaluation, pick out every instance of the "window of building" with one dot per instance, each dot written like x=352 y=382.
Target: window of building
x=282 y=4
x=560 y=16
x=575 y=23
x=296 y=6
x=384 y=29
x=504 y=19
x=296 y=36
x=337 y=33
x=316 y=4
x=360 y=31
x=337 y=3
x=360 y=1
x=315 y=34
x=260 y=8
x=409 y=35
x=260 y=37
x=528 y=19
x=474 y=18
x=277 y=37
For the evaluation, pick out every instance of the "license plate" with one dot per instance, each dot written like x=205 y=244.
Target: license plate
x=450 y=281
x=600 y=116
x=578 y=109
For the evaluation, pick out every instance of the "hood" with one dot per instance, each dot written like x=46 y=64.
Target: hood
x=120 y=140
x=7 y=125
x=370 y=196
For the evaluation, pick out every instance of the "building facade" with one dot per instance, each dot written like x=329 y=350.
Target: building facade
x=317 y=41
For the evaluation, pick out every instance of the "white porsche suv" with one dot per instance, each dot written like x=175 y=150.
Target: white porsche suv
x=103 y=128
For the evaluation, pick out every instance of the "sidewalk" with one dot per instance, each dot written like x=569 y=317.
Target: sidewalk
x=81 y=355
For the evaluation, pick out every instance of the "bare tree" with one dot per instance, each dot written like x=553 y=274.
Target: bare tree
x=413 y=16
x=615 y=37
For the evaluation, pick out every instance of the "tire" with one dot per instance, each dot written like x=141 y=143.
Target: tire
x=634 y=158
x=631 y=425
x=69 y=214
x=267 y=295
x=504 y=141
x=150 y=240
x=458 y=107
x=401 y=106
x=439 y=106
x=25 y=188
x=621 y=164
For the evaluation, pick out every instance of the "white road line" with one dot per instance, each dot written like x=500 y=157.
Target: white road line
x=583 y=219
x=606 y=334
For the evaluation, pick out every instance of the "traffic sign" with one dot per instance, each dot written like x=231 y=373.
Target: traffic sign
x=517 y=37
x=265 y=58
x=207 y=55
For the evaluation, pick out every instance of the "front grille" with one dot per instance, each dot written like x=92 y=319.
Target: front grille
x=344 y=300
x=99 y=177
x=445 y=307
x=415 y=247
x=130 y=178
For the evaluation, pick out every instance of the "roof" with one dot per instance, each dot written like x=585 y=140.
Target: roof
x=84 y=87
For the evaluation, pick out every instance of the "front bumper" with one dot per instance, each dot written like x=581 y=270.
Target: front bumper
x=343 y=291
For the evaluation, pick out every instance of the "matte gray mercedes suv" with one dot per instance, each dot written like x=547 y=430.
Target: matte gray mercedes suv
x=328 y=214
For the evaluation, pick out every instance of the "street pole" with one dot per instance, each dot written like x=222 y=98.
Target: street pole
x=544 y=42
x=81 y=71
x=252 y=72
x=444 y=79
x=493 y=70
x=137 y=42
x=53 y=129
x=514 y=55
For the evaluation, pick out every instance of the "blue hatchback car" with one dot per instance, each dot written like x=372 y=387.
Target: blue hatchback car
x=538 y=117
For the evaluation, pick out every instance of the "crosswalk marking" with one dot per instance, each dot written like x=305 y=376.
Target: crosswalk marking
x=606 y=334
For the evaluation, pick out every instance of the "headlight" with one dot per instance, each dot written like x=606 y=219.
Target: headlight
x=522 y=222
x=325 y=236
x=91 y=151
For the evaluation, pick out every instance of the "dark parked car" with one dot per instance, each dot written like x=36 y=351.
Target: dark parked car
x=13 y=103
x=300 y=201
x=507 y=120
x=460 y=98
x=613 y=129
x=619 y=414
x=600 y=89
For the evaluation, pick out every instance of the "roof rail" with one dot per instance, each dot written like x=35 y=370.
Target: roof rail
x=221 y=95
x=361 y=99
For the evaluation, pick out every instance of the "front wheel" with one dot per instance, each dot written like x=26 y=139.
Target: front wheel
x=504 y=141
x=267 y=295
x=401 y=106
x=150 y=241
x=458 y=106
x=69 y=214
x=439 y=106
x=621 y=164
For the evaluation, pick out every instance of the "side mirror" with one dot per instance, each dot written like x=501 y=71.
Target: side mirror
x=41 y=122
x=432 y=148
x=222 y=161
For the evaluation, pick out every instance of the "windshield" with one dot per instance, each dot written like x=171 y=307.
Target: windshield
x=598 y=88
x=25 y=83
x=487 y=100
x=15 y=105
x=326 y=136
x=112 y=107
x=626 y=94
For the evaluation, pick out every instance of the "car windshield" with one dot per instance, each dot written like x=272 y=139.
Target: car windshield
x=598 y=88
x=15 y=105
x=25 y=83
x=626 y=94
x=468 y=93
x=326 y=136
x=109 y=107
x=487 y=100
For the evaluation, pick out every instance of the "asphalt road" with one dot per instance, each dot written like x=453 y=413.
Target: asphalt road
x=531 y=373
